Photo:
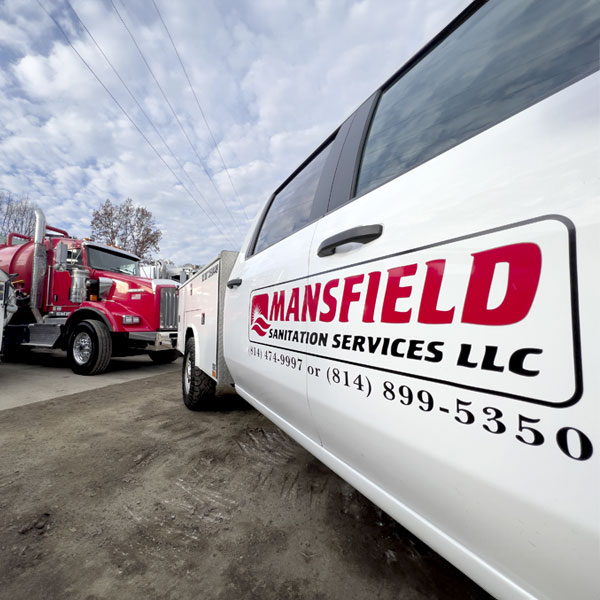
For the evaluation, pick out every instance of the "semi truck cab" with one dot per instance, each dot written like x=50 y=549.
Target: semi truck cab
x=87 y=298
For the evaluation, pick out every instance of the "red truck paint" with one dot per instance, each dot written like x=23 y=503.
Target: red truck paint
x=129 y=295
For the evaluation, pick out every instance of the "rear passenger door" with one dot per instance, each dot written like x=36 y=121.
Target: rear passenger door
x=457 y=336
x=264 y=337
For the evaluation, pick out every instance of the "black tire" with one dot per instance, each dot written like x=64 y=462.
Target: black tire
x=197 y=387
x=90 y=348
x=163 y=357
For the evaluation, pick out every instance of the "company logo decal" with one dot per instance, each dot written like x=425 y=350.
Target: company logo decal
x=492 y=312
x=260 y=308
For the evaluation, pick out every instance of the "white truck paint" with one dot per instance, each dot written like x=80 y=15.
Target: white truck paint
x=428 y=326
x=201 y=298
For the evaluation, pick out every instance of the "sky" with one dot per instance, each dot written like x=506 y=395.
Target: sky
x=197 y=110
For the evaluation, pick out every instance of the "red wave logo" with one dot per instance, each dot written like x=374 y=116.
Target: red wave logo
x=260 y=326
x=260 y=308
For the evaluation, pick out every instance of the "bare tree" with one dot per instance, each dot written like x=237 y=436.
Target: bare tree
x=106 y=224
x=16 y=214
x=143 y=233
x=130 y=227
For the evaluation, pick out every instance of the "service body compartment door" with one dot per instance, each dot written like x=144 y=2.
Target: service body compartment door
x=201 y=303
x=204 y=314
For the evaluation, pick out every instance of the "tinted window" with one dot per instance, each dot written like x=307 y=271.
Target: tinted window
x=112 y=261
x=291 y=207
x=509 y=55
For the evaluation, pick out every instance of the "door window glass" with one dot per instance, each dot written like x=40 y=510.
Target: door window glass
x=74 y=258
x=291 y=208
x=509 y=55
x=112 y=261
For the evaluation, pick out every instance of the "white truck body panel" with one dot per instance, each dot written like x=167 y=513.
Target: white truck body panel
x=284 y=395
x=523 y=520
x=447 y=366
x=201 y=315
x=482 y=480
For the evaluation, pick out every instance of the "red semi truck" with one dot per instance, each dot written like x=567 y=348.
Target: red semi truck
x=86 y=298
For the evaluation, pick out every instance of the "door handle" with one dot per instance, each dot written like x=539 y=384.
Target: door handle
x=362 y=234
x=234 y=283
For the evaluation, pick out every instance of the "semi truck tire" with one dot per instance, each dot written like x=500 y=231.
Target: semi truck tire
x=163 y=357
x=198 y=388
x=90 y=348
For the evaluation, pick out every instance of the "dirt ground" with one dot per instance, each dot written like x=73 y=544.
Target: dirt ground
x=123 y=493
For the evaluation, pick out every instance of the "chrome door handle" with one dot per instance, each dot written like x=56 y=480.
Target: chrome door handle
x=362 y=234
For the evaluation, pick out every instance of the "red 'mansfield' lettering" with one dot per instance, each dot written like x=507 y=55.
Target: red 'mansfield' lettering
x=311 y=302
x=524 y=262
x=524 y=268
x=294 y=305
x=277 y=306
x=371 y=297
x=349 y=296
x=393 y=291
x=428 y=311
x=330 y=301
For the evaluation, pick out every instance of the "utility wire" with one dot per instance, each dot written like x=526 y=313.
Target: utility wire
x=234 y=221
x=131 y=120
x=201 y=111
x=144 y=112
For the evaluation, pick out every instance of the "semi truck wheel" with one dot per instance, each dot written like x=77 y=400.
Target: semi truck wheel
x=198 y=388
x=163 y=357
x=90 y=348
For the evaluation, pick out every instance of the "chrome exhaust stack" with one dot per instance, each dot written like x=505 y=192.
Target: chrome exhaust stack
x=39 y=264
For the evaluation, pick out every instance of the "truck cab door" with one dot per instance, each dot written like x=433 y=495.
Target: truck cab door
x=60 y=282
x=460 y=252
x=266 y=340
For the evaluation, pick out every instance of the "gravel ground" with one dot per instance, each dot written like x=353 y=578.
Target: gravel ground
x=123 y=493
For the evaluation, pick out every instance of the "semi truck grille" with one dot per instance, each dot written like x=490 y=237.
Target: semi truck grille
x=168 y=308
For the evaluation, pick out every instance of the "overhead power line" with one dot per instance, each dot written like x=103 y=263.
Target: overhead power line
x=200 y=109
x=141 y=108
x=225 y=235
x=164 y=95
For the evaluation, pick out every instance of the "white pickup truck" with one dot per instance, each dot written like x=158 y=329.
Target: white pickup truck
x=417 y=304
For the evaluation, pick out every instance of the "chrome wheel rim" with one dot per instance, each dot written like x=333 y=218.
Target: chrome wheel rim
x=187 y=380
x=82 y=348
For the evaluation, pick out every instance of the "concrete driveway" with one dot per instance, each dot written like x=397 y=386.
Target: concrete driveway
x=45 y=374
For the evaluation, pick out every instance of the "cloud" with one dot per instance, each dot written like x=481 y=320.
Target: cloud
x=273 y=79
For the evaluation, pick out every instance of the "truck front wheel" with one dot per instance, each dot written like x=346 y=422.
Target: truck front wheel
x=198 y=388
x=90 y=348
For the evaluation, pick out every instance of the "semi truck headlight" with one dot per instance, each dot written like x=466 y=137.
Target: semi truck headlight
x=130 y=320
